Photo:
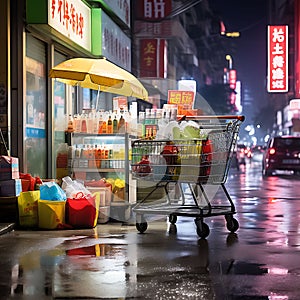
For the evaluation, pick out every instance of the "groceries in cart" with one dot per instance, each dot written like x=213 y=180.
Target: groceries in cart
x=180 y=151
x=142 y=168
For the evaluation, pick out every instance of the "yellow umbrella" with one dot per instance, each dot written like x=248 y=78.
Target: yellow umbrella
x=99 y=74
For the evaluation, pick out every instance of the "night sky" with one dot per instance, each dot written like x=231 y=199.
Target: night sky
x=249 y=59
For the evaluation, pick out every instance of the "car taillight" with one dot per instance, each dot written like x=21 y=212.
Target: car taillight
x=272 y=151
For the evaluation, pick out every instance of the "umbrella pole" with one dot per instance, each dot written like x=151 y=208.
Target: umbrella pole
x=97 y=101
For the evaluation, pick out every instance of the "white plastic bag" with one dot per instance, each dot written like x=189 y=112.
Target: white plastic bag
x=74 y=189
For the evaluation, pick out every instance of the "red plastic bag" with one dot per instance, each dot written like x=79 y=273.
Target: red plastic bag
x=82 y=212
x=29 y=182
x=206 y=160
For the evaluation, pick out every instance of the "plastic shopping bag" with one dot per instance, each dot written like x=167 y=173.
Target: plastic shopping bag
x=82 y=212
x=28 y=208
x=51 y=214
x=52 y=191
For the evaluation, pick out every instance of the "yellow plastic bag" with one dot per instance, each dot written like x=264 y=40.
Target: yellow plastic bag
x=51 y=214
x=28 y=208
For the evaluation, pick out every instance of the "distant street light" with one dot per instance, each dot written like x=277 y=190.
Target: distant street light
x=234 y=34
x=229 y=58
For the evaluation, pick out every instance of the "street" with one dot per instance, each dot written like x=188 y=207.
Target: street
x=115 y=261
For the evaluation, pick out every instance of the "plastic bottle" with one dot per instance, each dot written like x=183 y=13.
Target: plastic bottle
x=77 y=123
x=100 y=124
x=83 y=124
x=104 y=127
x=70 y=127
x=98 y=156
x=90 y=123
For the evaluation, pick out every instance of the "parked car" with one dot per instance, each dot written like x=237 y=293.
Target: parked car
x=281 y=156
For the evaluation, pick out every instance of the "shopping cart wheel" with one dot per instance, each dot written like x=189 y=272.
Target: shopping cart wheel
x=141 y=227
x=141 y=224
x=202 y=228
x=232 y=224
x=172 y=219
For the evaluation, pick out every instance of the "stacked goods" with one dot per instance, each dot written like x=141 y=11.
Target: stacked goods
x=53 y=207
x=10 y=182
x=10 y=188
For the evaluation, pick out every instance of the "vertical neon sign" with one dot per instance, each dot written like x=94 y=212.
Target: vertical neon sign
x=277 y=59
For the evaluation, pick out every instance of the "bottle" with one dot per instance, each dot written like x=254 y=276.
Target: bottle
x=104 y=127
x=109 y=125
x=70 y=127
x=100 y=125
x=115 y=125
x=90 y=155
x=121 y=125
x=98 y=157
x=90 y=123
x=77 y=123
x=83 y=124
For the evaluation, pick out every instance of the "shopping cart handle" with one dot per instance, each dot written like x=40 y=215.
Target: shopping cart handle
x=206 y=117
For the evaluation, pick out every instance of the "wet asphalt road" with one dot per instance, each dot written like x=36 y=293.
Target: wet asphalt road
x=114 y=261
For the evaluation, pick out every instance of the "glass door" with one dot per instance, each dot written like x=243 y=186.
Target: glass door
x=35 y=108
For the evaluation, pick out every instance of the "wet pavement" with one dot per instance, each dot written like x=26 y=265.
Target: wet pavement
x=115 y=261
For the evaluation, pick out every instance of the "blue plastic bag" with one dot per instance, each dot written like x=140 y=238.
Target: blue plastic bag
x=52 y=191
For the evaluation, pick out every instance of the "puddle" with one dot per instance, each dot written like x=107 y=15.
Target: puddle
x=247 y=268
x=41 y=273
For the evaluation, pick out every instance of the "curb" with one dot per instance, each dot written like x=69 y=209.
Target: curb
x=6 y=227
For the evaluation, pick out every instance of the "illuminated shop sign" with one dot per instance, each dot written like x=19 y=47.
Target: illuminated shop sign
x=153 y=58
x=116 y=45
x=277 y=59
x=152 y=9
x=72 y=18
x=232 y=79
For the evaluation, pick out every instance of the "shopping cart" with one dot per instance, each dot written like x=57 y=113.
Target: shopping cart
x=186 y=167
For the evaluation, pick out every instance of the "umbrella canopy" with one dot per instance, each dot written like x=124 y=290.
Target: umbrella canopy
x=98 y=74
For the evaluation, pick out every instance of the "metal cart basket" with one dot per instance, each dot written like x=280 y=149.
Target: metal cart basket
x=187 y=164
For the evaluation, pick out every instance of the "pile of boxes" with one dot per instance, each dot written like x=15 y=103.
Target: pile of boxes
x=10 y=182
x=10 y=188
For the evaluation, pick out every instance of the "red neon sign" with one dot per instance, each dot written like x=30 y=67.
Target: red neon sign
x=277 y=59
x=232 y=79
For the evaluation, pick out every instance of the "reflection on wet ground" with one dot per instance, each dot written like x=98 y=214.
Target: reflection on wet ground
x=169 y=261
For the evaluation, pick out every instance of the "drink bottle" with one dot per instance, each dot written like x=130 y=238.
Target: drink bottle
x=115 y=125
x=109 y=125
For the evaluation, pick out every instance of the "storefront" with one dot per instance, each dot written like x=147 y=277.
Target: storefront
x=52 y=32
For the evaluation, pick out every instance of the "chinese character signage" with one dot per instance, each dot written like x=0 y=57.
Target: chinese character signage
x=277 y=59
x=116 y=45
x=153 y=60
x=121 y=8
x=183 y=99
x=152 y=9
x=71 y=18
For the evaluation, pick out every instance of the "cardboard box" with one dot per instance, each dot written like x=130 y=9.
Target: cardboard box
x=9 y=168
x=10 y=188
